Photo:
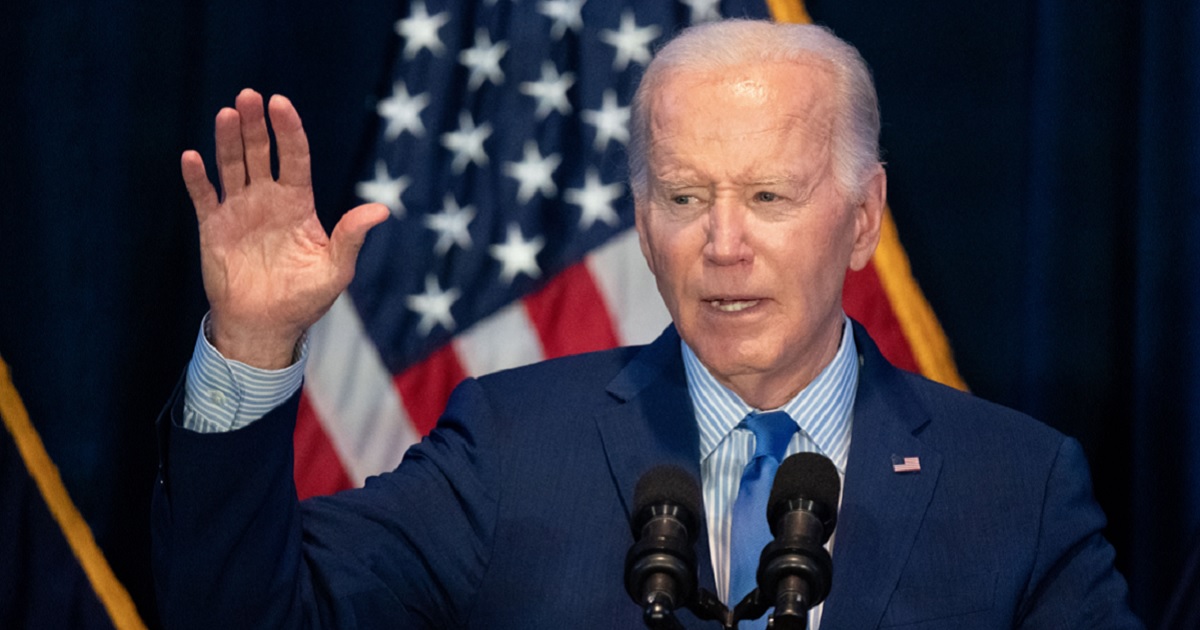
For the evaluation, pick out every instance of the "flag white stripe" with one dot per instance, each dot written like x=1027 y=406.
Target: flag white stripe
x=629 y=291
x=351 y=391
x=504 y=340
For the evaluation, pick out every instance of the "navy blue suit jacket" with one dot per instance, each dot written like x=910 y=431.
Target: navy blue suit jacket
x=514 y=512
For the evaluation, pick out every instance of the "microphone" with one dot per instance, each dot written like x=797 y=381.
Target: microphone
x=795 y=570
x=660 y=568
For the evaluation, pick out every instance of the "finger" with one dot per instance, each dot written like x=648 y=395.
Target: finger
x=254 y=135
x=294 y=162
x=350 y=232
x=231 y=165
x=204 y=196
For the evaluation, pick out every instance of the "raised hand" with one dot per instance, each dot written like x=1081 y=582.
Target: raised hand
x=270 y=271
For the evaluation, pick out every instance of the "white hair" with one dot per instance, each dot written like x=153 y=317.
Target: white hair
x=719 y=46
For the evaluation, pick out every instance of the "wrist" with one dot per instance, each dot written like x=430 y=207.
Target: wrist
x=259 y=348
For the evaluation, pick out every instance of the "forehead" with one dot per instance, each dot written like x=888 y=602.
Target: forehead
x=774 y=108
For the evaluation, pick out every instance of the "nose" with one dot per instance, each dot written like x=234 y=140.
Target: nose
x=727 y=233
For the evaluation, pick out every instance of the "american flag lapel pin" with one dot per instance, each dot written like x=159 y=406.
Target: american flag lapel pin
x=906 y=464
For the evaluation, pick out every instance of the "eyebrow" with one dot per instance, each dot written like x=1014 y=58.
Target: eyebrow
x=683 y=182
x=676 y=183
x=776 y=181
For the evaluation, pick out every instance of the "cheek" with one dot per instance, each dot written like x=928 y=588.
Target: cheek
x=670 y=248
x=669 y=272
x=809 y=262
x=830 y=243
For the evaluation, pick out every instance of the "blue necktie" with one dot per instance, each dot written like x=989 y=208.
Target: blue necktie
x=749 y=530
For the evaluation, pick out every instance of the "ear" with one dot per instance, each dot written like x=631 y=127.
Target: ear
x=868 y=219
x=640 y=208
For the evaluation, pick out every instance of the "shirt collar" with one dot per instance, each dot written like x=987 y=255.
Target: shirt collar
x=822 y=409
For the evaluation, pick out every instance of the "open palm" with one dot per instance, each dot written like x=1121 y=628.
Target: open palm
x=270 y=271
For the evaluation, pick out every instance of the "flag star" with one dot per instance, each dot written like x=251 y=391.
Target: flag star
x=483 y=59
x=596 y=200
x=550 y=91
x=611 y=121
x=402 y=112
x=567 y=14
x=534 y=173
x=451 y=225
x=420 y=31
x=467 y=143
x=632 y=43
x=704 y=10
x=384 y=189
x=517 y=255
x=433 y=306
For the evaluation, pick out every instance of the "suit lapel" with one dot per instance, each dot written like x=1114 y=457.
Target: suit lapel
x=654 y=424
x=881 y=510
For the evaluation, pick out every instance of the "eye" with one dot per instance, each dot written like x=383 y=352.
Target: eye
x=681 y=200
x=765 y=196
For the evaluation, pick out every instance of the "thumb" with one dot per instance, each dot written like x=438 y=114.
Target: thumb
x=350 y=232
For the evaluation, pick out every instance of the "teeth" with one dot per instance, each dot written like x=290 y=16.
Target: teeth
x=732 y=307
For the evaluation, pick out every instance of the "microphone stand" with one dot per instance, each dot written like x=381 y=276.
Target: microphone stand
x=791 y=614
x=706 y=606
x=752 y=606
x=659 y=612
x=659 y=617
x=791 y=605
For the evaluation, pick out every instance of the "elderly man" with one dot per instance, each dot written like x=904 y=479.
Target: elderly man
x=757 y=183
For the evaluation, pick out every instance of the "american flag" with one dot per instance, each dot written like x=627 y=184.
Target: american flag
x=905 y=464
x=501 y=154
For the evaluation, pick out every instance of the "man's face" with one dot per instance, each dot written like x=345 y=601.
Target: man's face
x=744 y=227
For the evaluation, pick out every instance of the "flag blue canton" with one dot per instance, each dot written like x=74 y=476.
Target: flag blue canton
x=501 y=155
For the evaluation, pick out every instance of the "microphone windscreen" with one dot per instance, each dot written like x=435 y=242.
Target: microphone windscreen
x=809 y=476
x=667 y=484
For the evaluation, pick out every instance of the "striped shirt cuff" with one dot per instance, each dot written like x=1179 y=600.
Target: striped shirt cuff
x=224 y=395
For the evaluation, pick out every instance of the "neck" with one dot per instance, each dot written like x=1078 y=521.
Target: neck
x=770 y=390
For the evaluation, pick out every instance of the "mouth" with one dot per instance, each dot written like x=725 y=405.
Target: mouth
x=732 y=306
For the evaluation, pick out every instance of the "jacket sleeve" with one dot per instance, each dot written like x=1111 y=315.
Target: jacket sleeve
x=1074 y=583
x=233 y=548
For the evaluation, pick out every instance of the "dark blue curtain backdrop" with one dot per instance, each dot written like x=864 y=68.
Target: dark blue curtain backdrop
x=1044 y=170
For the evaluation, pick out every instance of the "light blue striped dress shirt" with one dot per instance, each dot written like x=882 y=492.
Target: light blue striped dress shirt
x=823 y=410
x=223 y=395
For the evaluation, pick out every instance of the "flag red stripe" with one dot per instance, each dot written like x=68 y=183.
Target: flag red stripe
x=864 y=300
x=425 y=387
x=318 y=469
x=570 y=315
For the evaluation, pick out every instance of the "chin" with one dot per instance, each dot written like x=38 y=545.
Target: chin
x=730 y=358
